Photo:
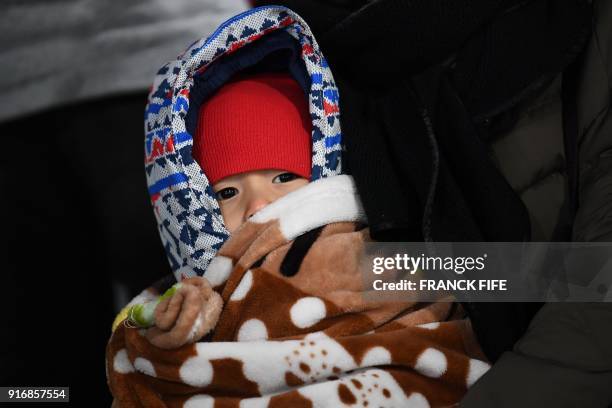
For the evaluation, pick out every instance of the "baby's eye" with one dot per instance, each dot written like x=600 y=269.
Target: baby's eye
x=226 y=193
x=285 y=178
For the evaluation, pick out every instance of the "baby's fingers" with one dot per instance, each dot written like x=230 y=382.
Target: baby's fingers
x=167 y=311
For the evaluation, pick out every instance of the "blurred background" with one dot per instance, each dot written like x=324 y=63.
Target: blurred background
x=80 y=239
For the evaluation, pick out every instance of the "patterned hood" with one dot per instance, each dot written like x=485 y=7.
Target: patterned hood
x=188 y=216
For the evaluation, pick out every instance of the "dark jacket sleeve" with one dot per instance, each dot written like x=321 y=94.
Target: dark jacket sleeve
x=564 y=360
x=565 y=357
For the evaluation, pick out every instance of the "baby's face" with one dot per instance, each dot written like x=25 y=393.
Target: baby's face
x=242 y=195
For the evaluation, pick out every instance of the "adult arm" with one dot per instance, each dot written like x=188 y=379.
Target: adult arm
x=565 y=357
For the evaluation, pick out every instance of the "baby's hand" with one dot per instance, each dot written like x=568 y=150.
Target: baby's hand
x=186 y=316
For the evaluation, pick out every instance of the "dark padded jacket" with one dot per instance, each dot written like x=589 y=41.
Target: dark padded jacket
x=565 y=357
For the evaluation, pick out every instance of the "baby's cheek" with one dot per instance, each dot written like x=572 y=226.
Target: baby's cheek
x=233 y=217
x=295 y=184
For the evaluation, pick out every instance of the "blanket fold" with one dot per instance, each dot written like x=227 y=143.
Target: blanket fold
x=296 y=330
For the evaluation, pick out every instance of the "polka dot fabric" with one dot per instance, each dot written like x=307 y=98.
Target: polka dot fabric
x=187 y=214
x=296 y=330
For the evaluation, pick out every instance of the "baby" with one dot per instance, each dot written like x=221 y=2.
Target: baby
x=253 y=143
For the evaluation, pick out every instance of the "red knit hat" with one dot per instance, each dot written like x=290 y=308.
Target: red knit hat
x=254 y=123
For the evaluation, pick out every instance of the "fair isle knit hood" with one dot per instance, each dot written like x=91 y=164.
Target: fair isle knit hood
x=272 y=37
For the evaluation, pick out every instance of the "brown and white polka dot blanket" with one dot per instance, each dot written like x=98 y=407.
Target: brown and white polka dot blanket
x=295 y=329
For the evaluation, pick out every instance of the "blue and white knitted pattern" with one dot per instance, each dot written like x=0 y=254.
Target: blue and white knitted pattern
x=187 y=213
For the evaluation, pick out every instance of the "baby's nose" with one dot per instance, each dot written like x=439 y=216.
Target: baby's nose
x=254 y=206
